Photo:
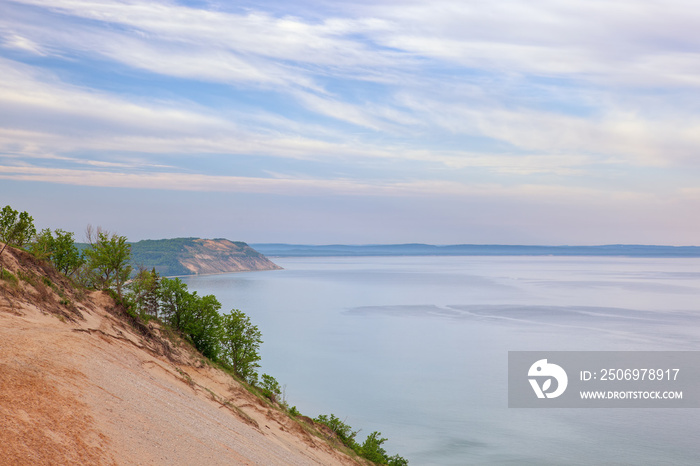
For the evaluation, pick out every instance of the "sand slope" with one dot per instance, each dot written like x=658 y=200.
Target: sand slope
x=78 y=385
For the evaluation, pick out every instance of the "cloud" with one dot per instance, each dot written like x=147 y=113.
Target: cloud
x=619 y=44
x=14 y=41
x=48 y=118
x=638 y=134
x=43 y=114
x=312 y=186
x=450 y=89
x=252 y=48
x=627 y=43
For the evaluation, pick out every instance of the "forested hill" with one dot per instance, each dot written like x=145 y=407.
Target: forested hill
x=191 y=256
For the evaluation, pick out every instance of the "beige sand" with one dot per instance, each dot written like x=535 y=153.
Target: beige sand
x=93 y=390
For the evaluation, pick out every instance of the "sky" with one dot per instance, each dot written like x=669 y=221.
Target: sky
x=362 y=122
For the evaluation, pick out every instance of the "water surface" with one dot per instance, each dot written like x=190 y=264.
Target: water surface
x=417 y=348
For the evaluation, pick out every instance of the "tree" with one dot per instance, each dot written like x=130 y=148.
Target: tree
x=108 y=257
x=144 y=292
x=240 y=342
x=65 y=255
x=42 y=245
x=175 y=302
x=270 y=387
x=372 y=449
x=202 y=325
x=60 y=250
x=16 y=229
x=196 y=317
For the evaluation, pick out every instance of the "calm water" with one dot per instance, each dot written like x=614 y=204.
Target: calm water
x=417 y=348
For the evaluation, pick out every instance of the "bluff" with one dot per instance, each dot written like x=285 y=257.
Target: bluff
x=84 y=382
x=193 y=256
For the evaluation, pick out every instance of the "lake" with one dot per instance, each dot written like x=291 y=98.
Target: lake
x=417 y=348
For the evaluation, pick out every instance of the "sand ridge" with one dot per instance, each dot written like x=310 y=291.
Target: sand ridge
x=81 y=386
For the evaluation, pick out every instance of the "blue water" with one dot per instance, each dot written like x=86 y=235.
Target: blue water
x=417 y=348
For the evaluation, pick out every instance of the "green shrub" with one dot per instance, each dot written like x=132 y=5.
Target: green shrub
x=27 y=277
x=397 y=460
x=270 y=387
x=340 y=428
x=60 y=250
x=47 y=281
x=8 y=277
x=372 y=449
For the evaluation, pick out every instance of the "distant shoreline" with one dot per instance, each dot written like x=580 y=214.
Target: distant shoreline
x=339 y=250
x=221 y=273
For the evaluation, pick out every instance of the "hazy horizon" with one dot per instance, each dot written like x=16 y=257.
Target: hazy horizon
x=354 y=122
x=251 y=243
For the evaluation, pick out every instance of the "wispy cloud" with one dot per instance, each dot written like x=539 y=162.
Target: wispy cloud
x=14 y=41
x=519 y=99
x=166 y=180
x=252 y=48
x=50 y=117
x=598 y=41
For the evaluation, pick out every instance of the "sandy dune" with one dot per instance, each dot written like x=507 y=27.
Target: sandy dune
x=80 y=386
